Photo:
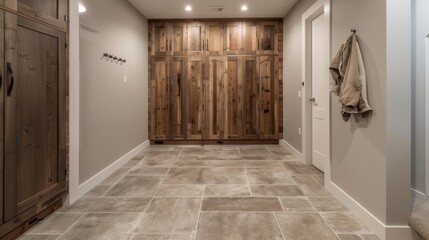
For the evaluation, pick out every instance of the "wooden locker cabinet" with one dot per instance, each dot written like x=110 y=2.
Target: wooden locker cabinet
x=53 y=12
x=224 y=86
x=169 y=39
x=33 y=103
x=2 y=92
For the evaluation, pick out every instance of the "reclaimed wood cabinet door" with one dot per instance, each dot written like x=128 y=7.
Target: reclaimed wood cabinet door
x=214 y=38
x=2 y=91
x=35 y=116
x=196 y=40
x=234 y=98
x=159 y=90
x=160 y=39
x=53 y=12
x=232 y=38
x=249 y=39
x=178 y=39
x=268 y=38
x=268 y=97
x=196 y=97
x=178 y=92
x=251 y=92
x=215 y=97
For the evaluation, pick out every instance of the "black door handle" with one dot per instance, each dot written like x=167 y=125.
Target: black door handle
x=12 y=79
x=1 y=79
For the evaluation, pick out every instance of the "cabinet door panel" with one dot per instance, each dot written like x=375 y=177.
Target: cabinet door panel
x=268 y=97
x=160 y=39
x=214 y=38
x=251 y=98
x=196 y=39
x=179 y=39
x=268 y=38
x=233 y=38
x=234 y=99
x=177 y=121
x=50 y=11
x=159 y=94
x=249 y=40
x=215 y=97
x=35 y=107
x=195 y=101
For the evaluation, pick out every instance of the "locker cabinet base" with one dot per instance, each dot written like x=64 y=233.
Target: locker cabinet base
x=215 y=142
x=18 y=226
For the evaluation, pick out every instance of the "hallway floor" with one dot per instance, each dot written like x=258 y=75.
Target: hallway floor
x=207 y=193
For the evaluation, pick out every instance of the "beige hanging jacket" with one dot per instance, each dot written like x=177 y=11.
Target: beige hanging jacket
x=349 y=79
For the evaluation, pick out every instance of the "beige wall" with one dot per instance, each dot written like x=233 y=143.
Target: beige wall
x=292 y=72
x=358 y=148
x=420 y=30
x=113 y=113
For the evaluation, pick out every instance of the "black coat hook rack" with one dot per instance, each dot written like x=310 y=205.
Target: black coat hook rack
x=113 y=58
x=353 y=31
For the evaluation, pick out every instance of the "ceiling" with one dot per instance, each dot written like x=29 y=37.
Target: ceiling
x=169 y=9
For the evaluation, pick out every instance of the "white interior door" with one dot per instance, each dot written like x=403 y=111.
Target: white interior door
x=320 y=91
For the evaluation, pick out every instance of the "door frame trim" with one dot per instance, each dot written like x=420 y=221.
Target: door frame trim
x=427 y=114
x=320 y=7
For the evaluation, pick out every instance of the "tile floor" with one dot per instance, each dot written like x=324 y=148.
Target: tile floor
x=207 y=193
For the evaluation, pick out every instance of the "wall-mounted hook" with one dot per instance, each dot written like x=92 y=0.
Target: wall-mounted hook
x=353 y=31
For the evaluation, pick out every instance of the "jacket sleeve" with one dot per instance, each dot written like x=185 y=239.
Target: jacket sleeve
x=351 y=86
x=334 y=68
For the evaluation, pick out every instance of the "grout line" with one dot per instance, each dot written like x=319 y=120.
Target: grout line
x=278 y=225
x=199 y=216
x=248 y=182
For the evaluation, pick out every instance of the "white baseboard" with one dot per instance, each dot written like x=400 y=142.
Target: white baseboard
x=416 y=193
x=103 y=174
x=384 y=232
x=291 y=149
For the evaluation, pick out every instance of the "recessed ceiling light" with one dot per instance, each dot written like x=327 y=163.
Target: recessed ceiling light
x=188 y=8
x=244 y=8
x=82 y=8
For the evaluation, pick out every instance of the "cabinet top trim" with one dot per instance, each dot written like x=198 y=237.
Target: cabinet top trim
x=215 y=20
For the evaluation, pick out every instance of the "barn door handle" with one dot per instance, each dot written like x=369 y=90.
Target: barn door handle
x=171 y=49
x=207 y=45
x=1 y=79
x=166 y=44
x=12 y=79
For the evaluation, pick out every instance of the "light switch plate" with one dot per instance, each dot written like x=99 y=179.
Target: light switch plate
x=125 y=79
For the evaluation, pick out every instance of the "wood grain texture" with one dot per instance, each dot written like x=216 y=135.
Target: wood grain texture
x=196 y=98
x=177 y=96
x=50 y=11
x=233 y=83
x=159 y=90
x=35 y=147
x=2 y=91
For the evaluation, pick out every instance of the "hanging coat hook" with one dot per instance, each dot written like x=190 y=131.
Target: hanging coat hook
x=353 y=31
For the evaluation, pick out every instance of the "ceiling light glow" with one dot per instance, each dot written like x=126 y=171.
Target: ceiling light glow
x=82 y=8
x=188 y=8
x=244 y=8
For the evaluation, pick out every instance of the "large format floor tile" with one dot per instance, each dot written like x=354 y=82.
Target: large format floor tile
x=170 y=215
x=206 y=176
x=116 y=204
x=238 y=226
x=304 y=226
x=260 y=204
x=223 y=192
x=136 y=186
x=102 y=226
